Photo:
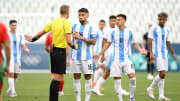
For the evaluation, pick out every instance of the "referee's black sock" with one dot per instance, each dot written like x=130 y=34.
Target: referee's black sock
x=54 y=88
x=152 y=68
x=148 y=68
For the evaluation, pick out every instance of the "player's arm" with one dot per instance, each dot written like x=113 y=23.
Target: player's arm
x=68 y=55
x=89 y=41
x=25 y=48
x=143 y=43
x=8 y=55
x=168 y=43
x=136 y=45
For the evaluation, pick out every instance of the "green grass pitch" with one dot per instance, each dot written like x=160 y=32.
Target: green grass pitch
x=35 y=87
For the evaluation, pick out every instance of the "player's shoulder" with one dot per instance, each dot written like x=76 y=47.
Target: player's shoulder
x=2 y=25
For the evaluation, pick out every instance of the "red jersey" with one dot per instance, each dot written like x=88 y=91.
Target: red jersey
x=49 y=40
x=3 y=38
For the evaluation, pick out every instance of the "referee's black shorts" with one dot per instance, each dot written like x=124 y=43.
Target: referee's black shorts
x=58 y=60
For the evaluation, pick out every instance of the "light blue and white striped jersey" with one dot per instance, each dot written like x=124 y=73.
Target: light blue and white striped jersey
x=16 y=41
x=121 y=40
x=99 y=40
x=84 y=51
x=159 y=36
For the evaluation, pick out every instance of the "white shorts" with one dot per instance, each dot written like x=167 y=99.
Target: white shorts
x=162 y=64
x=117 y=67
x=15 y=68
x=81 y=66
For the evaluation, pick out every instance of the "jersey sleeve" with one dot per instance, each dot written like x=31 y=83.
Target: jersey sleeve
x=67 y=27
x=151 y=33
x=4 y=34
x=110 y=37
x=47 y=28
x=93 y=33
x=167 y=38
x=23 y=39
x=133 y=37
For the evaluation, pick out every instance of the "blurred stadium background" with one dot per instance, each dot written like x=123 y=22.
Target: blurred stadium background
x=33 y=15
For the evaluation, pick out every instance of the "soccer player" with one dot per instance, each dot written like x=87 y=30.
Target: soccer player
x=158 y=41
x=82 y=58
x=48 y=47
x=150 y=65
x=106 y=57
x=96 y=48
x=4 y=41
x=121 y=37
x=17 y=42
x=61 y=35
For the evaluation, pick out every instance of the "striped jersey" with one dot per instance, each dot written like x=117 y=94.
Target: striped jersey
x=16 y=41
x=99 y=40
x=84 y=51
x=159 y=36
x=121 y=40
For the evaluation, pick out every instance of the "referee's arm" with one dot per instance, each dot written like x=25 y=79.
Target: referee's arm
x=36 y=37
x=69 y=41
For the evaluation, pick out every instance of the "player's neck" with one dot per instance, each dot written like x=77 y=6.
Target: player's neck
x=13 y=31
x=161 y=25
x=84 y=23
x=121 y=27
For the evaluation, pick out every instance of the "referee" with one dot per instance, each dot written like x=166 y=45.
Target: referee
x=61 y=30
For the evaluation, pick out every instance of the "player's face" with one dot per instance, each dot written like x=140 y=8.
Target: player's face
x=83 y=17
x=162 y=21
x=101 y=25
x=112 y=23
x=13 y=26
x=120 y=21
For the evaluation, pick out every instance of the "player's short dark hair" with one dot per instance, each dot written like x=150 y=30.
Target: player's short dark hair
x=163 y=14
x=122 y=15
x=64 y=9
x=12 y=21
x=102 y=21
x=112 y=17
x=85 y=10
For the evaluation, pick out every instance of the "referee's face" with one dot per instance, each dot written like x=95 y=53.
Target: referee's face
x=83 y=17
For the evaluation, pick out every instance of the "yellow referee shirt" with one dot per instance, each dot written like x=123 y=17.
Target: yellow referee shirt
x=59 y=27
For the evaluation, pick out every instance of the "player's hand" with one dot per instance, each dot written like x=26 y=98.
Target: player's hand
x=75 y=46
x=151 y=57
x=75 y=35
x=28 y=37
x=96 y=58
x=174 y=55
x=102 y=58
x=27 y=50
x=143 y=52
x=6 y=70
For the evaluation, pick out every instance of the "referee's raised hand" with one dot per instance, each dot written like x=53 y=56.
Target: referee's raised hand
x=28 y=37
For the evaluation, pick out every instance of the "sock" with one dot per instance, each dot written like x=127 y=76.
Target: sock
x=54 y=88
x=77 y=89
x=148 y=68
x=117 y=87
x=161 y=87
x=99 y=83
x=61 y=85
x=155 y=81
x=11 y=84
x=88 y=86
x=97 y=74
x=152 y=69
x=132 y=84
